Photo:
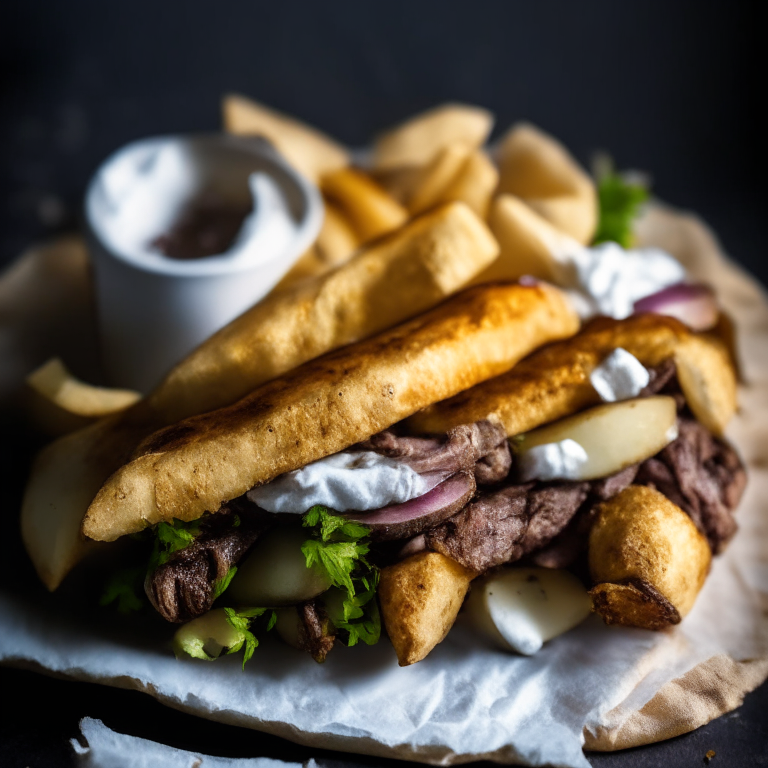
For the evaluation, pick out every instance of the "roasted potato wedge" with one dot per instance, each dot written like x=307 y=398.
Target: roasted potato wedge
x=60 y=403
x=418 y=140
x=647 y=560
x=436 y=176
x=307 y=149
x=368 y=208
x=528 y=243
x=420 y=598
x=539 y=170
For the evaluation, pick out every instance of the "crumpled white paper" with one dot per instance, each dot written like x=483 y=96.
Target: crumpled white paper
x=105 y=748
x=466 y=701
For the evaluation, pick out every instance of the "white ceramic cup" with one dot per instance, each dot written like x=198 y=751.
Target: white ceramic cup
x=154 y=310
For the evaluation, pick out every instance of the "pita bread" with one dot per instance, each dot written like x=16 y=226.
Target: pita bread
x=554 y=382
x=327 y=405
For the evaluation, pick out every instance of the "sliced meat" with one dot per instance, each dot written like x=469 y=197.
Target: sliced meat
x=494 y=466
x=565 y=548
x=503 y=526
x=703 y=476
x=182 y=588
x=488 y=532
x=460 y=449
x=401 y=521
x=550 y=508
x=660 y=377
x=316 y=632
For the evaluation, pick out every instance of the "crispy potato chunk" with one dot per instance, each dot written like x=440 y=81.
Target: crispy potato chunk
x=539 y=170
x=647 y=559
x=307 y=149
x=420 y=598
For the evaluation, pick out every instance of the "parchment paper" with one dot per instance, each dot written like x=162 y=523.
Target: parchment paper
x=101 y=747
x=598 y=687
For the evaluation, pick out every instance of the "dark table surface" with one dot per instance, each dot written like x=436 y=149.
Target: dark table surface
x=671 y=88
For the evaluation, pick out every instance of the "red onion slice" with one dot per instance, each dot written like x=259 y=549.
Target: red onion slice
x=410 y=518
x=694 y=304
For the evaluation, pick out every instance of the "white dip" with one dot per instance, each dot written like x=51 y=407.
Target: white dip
x=552 y=461
x=607 y=280
x=619 y=377
x=344 y=481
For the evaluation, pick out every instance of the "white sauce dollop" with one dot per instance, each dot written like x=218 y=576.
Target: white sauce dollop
x=344 y=482
x=552 y=461
x=620 y=376
x=607 y=280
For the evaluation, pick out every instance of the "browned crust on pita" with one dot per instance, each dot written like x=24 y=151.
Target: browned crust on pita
x=554 y=382
x=327 y=405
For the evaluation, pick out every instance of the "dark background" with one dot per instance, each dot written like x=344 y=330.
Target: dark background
x=673 y=88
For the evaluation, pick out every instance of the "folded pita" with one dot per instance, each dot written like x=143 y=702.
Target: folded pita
x=539 y=170
x=307 y=149
x=327 y=405
x=399 y=276
x=554 y=382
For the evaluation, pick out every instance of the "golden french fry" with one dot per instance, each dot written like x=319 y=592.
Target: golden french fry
x=436 y=176
x=420 y=598
x=474 y=184
x=647 y=559
x=337 y=240
x=399 y=182
x=708 y=380
x=539 y=170
x=308 y=266
x=60 y=403
x=528 y=243
x=398 y=277
x=307 y=149
x=368 y=208
x=418 y=140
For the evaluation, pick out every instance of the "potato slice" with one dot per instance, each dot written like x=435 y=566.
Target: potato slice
x=274 y=572
x=307 y=149
x=436 y=176
x=60 y=403
x=521 y=608
x=540 y=171
x=708 y=380
x=613 y=436
x=288 y=626
x=420 y=598
x=647 y=559
x=369 y=209
x=417 y=141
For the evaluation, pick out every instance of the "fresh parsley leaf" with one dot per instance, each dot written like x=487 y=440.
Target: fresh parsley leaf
x=620 y=201
x=329 y=524
x=125 y=588
x=221 y=584
x=339 y=547
x=242 y=621
x=170 y=538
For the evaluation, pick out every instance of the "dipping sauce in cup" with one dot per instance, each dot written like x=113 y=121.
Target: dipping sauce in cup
x=186 y=233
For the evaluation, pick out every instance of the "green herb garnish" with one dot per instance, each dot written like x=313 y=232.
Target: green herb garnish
x=170 y=538
x=124 y=588
x=241 y=621
x=339 y=547
x=221 y=584
x=620 y=201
